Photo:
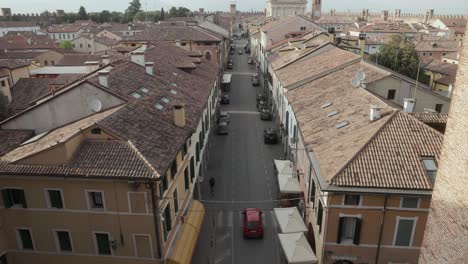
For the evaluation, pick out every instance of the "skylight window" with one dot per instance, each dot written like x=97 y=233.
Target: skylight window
x=430 y=166
x=158 y=106
x=173 y=91
x=332 y=113
x=327 y=104
x=144 y=90
x=342 y=124
x=174 y=84
x=175 y=73
x=35 y=138
x=136 y=95
x=165 y=100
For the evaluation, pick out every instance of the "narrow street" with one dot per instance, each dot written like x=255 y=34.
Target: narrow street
x=242 y=166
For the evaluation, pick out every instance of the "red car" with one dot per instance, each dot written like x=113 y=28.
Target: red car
x=253 y=224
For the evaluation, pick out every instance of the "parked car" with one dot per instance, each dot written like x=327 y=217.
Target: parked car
x=229 y=66
x=262 y=104
x=225 y=99
x=232 y=52
x=255 y=79
x=265 y=114
x=222 y=129
x=270 y=136
x=223 y=117
x=247 y=51
x=252 y=222
x=260 y=97
x=250 y=61
x=240 y=52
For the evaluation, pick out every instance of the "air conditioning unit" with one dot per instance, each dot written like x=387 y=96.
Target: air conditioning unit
x=114 y=244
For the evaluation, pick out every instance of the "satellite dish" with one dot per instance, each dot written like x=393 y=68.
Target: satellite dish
x=95 y=105
x=317 y=13
x=355 y=83
x=360 y=75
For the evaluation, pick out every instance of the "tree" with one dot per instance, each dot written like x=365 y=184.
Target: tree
x=400 y=55
x=183 y=12
x=133 y=8
x=105 y=16
x=5 y=110
x=162 y=13
x=173 y=12
x=66 y=44
x=82 y=15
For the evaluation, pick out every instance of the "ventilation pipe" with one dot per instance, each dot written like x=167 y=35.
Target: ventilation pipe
x=105 y=59
x=179 y=115
x=375 y=112
x=138 y=57
x=149 y=68
x=408 y=105
x=104 y=78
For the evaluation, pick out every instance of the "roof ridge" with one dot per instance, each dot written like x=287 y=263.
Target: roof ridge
x=338 y=173
x=138 y=153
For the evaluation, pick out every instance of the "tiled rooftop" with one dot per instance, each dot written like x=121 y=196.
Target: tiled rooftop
x=11 y=139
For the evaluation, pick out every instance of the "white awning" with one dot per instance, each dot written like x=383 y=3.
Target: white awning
x=227 y=78
x=296 y=249
x=288 y=184
x=289 y=220
x=284 y=166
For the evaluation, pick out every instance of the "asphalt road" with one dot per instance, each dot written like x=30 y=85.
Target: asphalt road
x=242 y=166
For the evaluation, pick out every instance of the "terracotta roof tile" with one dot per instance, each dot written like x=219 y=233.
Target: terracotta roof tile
x=13 y=63
x=27 y=90
x=392 y=158
x=11 y=139
x=173 y=33
x=77 y=59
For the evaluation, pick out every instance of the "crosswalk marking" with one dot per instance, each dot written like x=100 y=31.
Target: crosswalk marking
x=244 y=112
x=240 y=73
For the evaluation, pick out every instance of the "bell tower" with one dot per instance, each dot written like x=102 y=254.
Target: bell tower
x=316 y=9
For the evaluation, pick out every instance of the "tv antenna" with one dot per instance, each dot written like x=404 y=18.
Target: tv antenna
x=358 y=79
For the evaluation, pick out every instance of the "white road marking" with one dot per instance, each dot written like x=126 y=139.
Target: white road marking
x=219 y=221
x=223 y=255
x=230 y=218
x=244 y=112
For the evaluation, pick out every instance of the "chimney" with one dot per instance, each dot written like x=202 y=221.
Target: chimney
x=138 y=57
x=408 y=105
x=149 y=67
x=5 y=89
x=331 y=34
x=374 y=113
x=104 y=78
x=385 y=15
x=179 y=115
x=362 y=43
x=92 y=65
x=178 y=43
x=105 y=59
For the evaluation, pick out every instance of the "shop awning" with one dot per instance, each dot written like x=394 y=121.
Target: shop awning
x=188 y=236
x=289 y=220
x=296 y=248
x=288 y=184
x=284 y=167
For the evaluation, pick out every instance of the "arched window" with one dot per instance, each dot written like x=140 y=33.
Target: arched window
x=207 y=55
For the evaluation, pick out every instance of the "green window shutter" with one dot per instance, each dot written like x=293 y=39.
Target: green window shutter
x=357 y=231
x=26 y=239
x=186 y=179
x=7 y=201
x=22 y=198
x=340 y=230
x=55 y=199
x=103 y=244
x=64 y=240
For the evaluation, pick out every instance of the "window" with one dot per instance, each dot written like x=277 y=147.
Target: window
x=73 y=45
x=46 y=63
x=103 y=243
x=89 y=45
x=55 y=199
x=319 y=216
x=430 y=166
x=349 y=230
x=430 y=53
x=186 y=178
x=174 y=169
x=192 y=169
x=163 y=185
x=96 y=131
x=52 y=62
x=303 y=28
x=198 y=152
x=404 y=231
x=438 y=107
x=81 y=45
x=176 y=201
x=208 y=55
x=96 y=199
x=409 y=202
x=64 y=241
x=391 y=94
x=184 y=150
x=352 y=199
x=2 y=83
x=424 y=53
x=24 y=238
x=167 y=221
x=312 y=194
x=14 y=197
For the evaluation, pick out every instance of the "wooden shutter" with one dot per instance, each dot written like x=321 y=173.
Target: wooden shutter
x=7 y=202
x=340 y=230
x=23 y=199
x=357 y=231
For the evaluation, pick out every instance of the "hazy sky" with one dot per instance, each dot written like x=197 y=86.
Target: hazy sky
x=37 y=6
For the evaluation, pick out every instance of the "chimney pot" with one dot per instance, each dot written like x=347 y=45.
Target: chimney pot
x=179 y=115
x=408 y=105
x=138 y=57
x=149 y=68
x=374 y=112
x=103 y=77
x=92 y=65
x=105 y=59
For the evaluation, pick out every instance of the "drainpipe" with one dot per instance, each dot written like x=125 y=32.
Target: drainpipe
x=381 y=229
x=156 y=217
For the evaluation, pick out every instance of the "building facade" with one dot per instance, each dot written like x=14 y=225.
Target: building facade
x=280 y=8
